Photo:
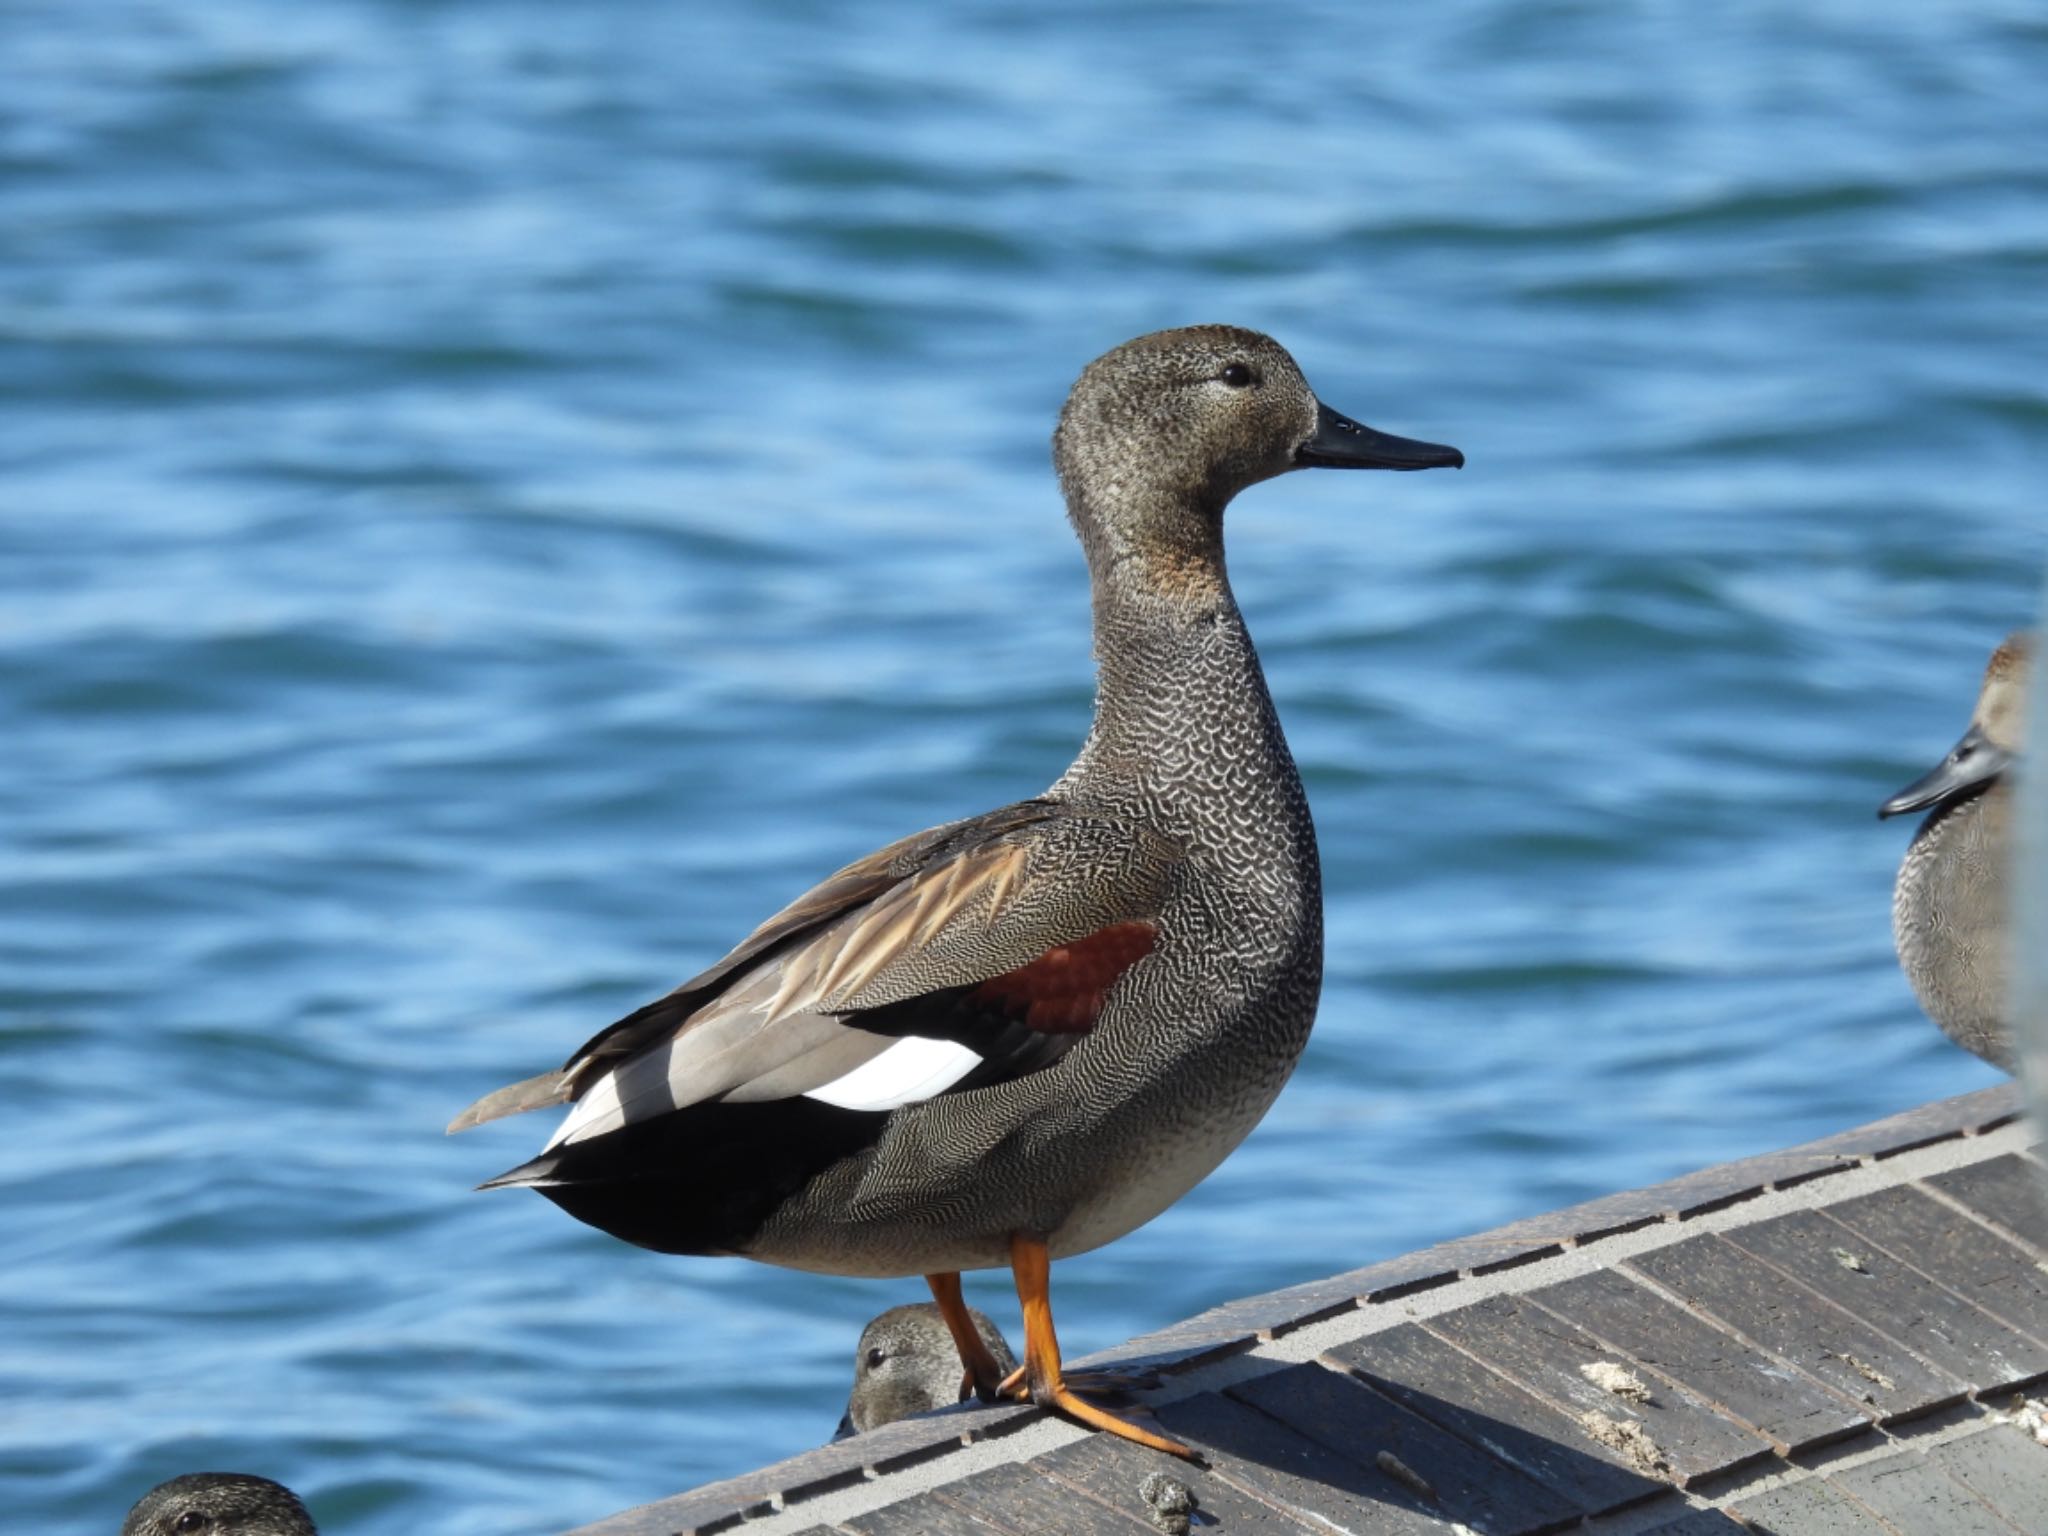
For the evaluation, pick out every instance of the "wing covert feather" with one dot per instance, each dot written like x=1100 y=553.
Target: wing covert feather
x=946 y=909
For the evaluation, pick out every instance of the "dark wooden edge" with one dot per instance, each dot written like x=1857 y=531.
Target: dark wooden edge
x=1969 y=1114
x=842 y=1464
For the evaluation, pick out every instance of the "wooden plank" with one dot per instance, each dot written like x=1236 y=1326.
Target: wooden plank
x=1792 y=1411
x=1917 y=1499
x=1942 y=1120
x=1698 y=1522
x=840 y=1464
x=1503 y=1248
x=682 y=1515
x=2007 y=1189
x=1454 y=1391
x=1548 y=1356
x=1717 y=1188
x=1113 y=1470
x=1276 y=1313
x=1800 y=1325
x=1627 y=1210
x=1464 y=1484
x=922 y=1514
x=2006 y=1469
x=1168 y=1351
x=1272 y=1462
x=1813 y=1507
x=1021 y=1497
x=1692 y=1194
x=1894 y=1298
x=1998 y=1276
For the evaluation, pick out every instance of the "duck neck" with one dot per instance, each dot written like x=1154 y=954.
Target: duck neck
x=1183 y=721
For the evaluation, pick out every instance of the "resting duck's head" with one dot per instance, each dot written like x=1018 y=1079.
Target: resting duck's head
x=907 y=1363
x=218 y=1504
x=1993 y=743
x=2002 y=699
x=1159 y=433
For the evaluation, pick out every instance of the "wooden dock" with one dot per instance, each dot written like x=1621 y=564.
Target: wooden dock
x=1831 y=1340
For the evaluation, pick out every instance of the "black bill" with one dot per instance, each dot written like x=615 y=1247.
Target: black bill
x=1341 y=443
x=1972 y=764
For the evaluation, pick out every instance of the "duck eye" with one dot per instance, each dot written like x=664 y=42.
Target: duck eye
x=876 y=1356
x=190 y=1521
x=1236 y=375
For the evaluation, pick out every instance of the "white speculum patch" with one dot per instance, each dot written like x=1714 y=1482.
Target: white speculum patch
x=912 y=1069
x=904 y=1072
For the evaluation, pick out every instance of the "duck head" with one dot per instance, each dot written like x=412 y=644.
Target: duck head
x=218 y=1504
x=1992 y=744
x=907 y=1363
x=1160 y=433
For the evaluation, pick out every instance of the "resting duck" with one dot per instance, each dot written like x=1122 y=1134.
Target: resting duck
x=1949 y=906
x=218 y=1504
x=1019 y=1036
x=907 y=1363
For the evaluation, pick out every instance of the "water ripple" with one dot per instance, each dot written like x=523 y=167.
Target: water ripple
x=496 y=497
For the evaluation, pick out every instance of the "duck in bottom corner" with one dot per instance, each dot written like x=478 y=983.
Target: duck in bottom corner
x=908 y=1363
x=218 y=1504
x=1949 y=908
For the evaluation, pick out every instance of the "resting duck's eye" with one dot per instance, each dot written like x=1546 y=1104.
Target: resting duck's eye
x=876 y=1356
x=1236 y=375
x=191 y=1521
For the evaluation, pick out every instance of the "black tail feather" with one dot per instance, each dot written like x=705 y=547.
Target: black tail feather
x=699 y=1180
x=531 y=1174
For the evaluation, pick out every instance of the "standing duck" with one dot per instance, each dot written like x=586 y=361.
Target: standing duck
x=1016 y=1037
x=1949 y=907
x=218 y=1504
x=907 y=1363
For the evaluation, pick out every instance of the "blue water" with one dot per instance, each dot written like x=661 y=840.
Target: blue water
x=495 y=497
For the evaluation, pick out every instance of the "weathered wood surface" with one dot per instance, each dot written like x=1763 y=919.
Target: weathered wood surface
x=1801 y=1327
x=1697 y=1522
x=2006 y=1469
x=1815 y=1507
x=1546 y=1354
x=1998 y=1275
x=1909 y=1308
x=1824 y=1339
x=2006 y=1190
x=1658 y=1338
x=1916 y=1498
x=1463 y=1482
x=1441 y=1383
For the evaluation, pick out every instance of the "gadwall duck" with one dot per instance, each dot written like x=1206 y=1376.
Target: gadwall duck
x=218 y=1504
x=907 y=1363
x=1949 y=907
x=1016 y=1037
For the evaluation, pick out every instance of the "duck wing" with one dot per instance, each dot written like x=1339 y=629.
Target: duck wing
x=960 y=957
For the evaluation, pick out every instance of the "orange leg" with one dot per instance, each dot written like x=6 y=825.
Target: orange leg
x=1032 y=1266
x=981 y=1368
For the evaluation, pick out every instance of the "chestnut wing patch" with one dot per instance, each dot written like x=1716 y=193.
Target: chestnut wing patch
x=1026 y=1019
x=1062 y=991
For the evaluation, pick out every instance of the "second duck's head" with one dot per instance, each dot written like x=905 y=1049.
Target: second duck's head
x=907 y=1363
x=218 y=1504
x=1993 y=743
x=1159 y=434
